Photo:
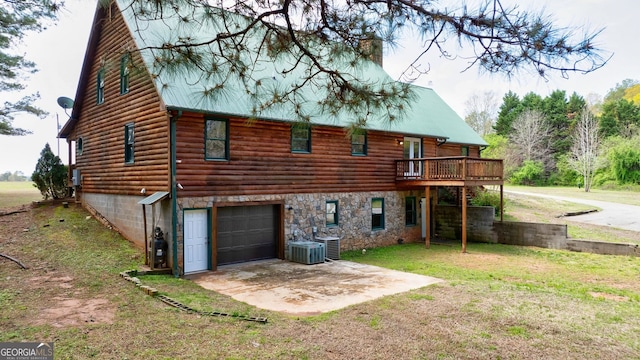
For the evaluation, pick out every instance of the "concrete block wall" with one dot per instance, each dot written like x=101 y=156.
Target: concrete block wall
x=482 y=228
x=551 y=236
x=125 y=214
x=448 y=223
x=603 y=248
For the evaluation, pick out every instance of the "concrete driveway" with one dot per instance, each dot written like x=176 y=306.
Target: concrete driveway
x=616 y=215
x=300 y=289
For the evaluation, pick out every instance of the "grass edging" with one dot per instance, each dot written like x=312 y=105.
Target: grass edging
x=131 y=276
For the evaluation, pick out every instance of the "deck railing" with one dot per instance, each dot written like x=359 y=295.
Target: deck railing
x=459 y=168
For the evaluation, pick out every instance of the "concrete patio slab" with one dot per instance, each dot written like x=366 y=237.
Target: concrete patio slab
x=300 y=289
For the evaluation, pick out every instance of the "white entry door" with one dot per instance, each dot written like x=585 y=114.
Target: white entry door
x=196 y=241
x=413 y=150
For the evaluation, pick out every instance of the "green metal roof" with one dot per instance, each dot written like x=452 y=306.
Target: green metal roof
x=428 y=114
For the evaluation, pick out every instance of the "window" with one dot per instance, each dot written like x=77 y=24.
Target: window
x=410 y=211
x=377 y=213
x=465 y=151
x=128 y=143
x=216 y=135
x=301 y=139
x=332 y=213
x=359 y=143
x=79 y=146
x=124 y=74
x=100 y=87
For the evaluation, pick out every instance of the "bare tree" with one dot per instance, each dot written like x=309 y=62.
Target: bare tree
x=584 y=157
x=482 y=112
x=319 y=45
x=530 y=139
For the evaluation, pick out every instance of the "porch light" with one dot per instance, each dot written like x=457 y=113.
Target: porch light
x=400 y=142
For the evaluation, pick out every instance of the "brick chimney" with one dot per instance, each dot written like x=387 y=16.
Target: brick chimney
x=372 y=48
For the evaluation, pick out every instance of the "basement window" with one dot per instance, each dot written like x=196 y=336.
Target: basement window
x=377 y=214
x=411 y=217
x=332 y=213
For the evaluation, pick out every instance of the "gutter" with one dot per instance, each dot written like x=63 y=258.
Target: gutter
x=174 y=193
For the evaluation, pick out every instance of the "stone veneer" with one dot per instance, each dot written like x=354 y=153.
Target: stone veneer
x=305 y=211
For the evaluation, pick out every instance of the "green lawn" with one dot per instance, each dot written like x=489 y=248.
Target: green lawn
x=497 y=302
x=617 y=196
x=15 y=193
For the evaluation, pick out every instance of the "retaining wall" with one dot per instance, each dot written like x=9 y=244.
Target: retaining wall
x=481 y=227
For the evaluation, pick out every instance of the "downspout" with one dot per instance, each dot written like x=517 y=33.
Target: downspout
x=174 y=193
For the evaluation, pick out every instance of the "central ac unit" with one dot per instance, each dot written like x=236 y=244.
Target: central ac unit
x=331 y=246
x=306 y=252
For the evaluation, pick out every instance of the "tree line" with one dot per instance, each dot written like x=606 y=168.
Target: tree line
x=560 y=139
x=13 y=176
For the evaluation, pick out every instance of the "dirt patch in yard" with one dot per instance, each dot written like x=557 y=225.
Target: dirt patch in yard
x=67 y=310
x=75 y=312
x=53 y=296
x=608 y=296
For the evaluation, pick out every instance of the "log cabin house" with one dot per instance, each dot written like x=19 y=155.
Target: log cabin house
x=225 y=186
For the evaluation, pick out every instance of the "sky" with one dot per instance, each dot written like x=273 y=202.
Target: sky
x=59 y=54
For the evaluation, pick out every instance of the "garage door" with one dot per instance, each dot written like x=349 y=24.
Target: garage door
x=246 y=233
x=196 y=241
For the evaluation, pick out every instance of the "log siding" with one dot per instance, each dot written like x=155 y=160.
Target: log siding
x=101 y=126
x=261 y=161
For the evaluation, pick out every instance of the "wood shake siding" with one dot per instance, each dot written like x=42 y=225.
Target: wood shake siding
x=261 y=161
x=102 y=162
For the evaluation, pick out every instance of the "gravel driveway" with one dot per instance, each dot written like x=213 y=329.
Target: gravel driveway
x=616 y=215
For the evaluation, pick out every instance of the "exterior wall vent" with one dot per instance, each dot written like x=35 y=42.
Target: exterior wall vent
x=306 y=252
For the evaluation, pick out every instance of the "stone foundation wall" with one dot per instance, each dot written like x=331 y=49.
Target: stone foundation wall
x=305 y=211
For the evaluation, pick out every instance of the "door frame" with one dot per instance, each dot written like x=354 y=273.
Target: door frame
x=208 y=232
x=214 y=227
x=409 y=141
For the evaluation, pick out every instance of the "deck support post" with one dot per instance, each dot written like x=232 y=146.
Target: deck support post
x=427 y=207
x=464 y=219
x=501 y=203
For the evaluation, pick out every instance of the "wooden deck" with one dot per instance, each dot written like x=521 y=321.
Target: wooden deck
x=449 y=171
x=458 y=171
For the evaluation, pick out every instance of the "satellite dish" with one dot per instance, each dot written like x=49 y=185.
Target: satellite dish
x=65 y=102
